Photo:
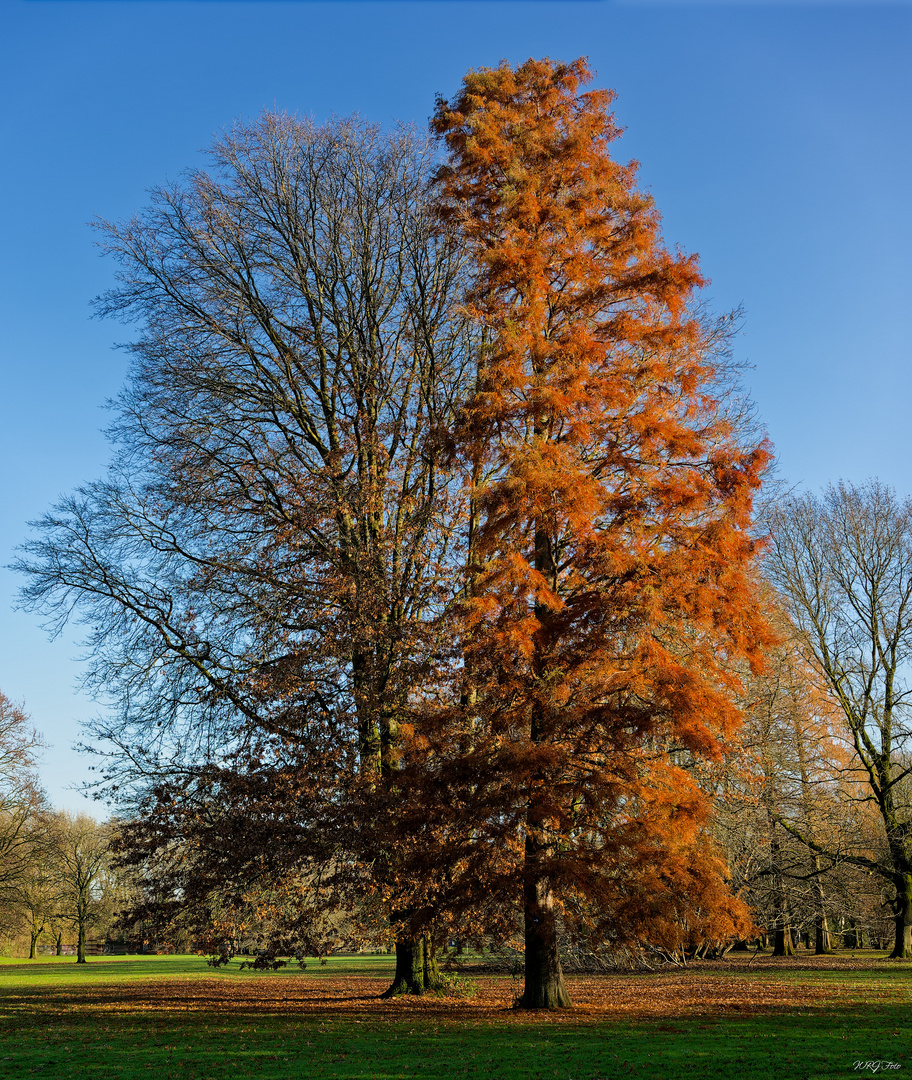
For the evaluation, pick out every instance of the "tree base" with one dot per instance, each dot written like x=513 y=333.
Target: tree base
x=417 y=972
x=544 y=986
x=551 y=997
x=413 y=988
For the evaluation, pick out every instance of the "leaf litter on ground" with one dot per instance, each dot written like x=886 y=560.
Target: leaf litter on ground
x=770 y=986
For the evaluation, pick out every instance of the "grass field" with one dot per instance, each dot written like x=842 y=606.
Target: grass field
x=172 y=1016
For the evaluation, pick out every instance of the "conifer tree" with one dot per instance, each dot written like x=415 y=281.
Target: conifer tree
x=611 y=592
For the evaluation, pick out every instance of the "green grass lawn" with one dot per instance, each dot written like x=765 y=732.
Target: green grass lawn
x=61 y=970
x=127 y=1017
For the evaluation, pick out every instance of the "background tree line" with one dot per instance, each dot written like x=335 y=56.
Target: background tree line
x=57 y=877
x=423 y=589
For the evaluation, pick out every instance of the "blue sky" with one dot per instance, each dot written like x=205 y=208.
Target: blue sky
x=775 y=138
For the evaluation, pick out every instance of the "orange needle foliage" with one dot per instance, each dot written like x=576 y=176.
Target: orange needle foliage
x=610 y=590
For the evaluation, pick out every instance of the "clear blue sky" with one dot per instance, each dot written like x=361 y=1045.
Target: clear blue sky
x=775 y=138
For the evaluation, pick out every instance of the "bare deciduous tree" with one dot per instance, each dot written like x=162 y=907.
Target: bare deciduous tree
x=261 y=570
x=79 y=861
x=843 y=562
x=20 y=799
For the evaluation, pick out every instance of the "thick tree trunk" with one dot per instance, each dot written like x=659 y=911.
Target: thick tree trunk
x=902 y=944
x=783 y=945
x=59 y=944
x=544 y=984
x=33 y=945
x=544 y=980
x=416 y=967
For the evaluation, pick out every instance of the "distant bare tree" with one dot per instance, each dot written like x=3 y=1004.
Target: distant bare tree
x=843 y=563
x=20 y=799
x=79 y=865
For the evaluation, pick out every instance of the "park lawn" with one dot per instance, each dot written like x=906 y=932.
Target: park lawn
x=164 y=1017
x=63 y=970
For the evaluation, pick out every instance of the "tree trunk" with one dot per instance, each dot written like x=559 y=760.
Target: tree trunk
x=821 y=927
x=416 y=967
x=33 y=946
x=544 y=983
x=544 y=980
x=783 y=945
x=782 y=937
x=902 y=945
x=821 y=936
x=59 y=944
x=80 y=944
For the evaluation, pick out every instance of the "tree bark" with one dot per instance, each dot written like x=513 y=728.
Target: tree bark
x=783 y=945
x=902 y=944
x=544 y=978
x=416 y=967
x=80 y=944
x=821 y=936
x=821 y=926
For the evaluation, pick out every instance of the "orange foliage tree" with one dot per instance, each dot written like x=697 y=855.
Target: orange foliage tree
x=610 y=593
